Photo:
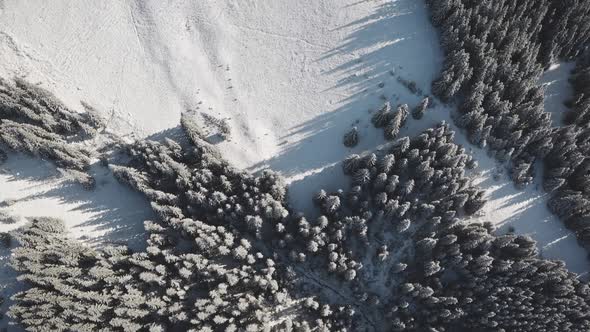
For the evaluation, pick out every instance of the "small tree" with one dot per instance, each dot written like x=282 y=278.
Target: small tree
x=351 y=138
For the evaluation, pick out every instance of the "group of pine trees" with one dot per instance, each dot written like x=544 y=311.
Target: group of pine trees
x=227 y=253
x=395 y=250
x=197 y=273
x=567 y=166
x=391 y=253
x=32 y=120
x=495 y=54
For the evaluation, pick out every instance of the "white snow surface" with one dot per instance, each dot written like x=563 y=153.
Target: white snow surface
x=557 y=90
x=284 y=71
x=111 y=213
x=291 y=76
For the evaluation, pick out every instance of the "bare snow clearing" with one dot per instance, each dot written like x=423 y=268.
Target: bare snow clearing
x=557 y=90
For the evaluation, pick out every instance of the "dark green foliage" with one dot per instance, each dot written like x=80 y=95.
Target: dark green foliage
x=396 y=122
x=420 y=109
x=567 y=166
x=6 y=239
x=382 y=116
x=227 y=254
x=403 y=261
x=71 y=287
x=496 y=52
x=580 y=82
x=192 y=128
x=566 y=30
x=220 y=259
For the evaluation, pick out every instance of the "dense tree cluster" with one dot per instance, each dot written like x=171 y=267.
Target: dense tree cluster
x=495 y=54
x=227 y=253
x=193 y=276
x=71 y=287
x=393 y=250
x=362 y=247
x=567 y=167
x=213 y=218
x=214 y=282
x=32 y=120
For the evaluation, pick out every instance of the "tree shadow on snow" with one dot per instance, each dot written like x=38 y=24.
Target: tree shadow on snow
x=385 y=45
x=114 y=210
x=175 y=133
x=530 y=216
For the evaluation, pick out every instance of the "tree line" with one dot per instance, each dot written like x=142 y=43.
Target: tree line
x=495 y=54
x=567 y=167
x=33 y=121
x=227 y=252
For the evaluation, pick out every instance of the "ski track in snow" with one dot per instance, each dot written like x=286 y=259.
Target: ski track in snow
x=291 y=76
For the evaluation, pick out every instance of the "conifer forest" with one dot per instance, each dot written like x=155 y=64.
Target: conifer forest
x=401 y=240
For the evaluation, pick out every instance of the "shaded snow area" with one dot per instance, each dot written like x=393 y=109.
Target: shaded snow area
x=557 y=90
x=110 y=213
x=290 y=75
x=290 y=78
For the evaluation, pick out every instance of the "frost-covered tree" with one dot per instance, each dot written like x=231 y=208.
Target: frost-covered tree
x=495 y=54
x=420 y=109
x=33 y=121
x=382 y=116
x=351 y=138
x=228 y=253
x=567 y=166
x=396 y=122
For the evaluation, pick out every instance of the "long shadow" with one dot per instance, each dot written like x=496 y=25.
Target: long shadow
x=396 y=40
x=525 y=212
x=554 y=240
x=109 y=214
x=175 y=133
x=384 y=37
x=557 y=90
x=112 y=210
x=112 y=213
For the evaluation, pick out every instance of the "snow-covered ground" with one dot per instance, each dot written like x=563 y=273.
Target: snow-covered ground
x=110 y=213
x=291 y=77
x=557 y=90
x=284 y=71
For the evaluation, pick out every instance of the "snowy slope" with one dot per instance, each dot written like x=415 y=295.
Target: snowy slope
x=291 y=77
x=275 y=67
